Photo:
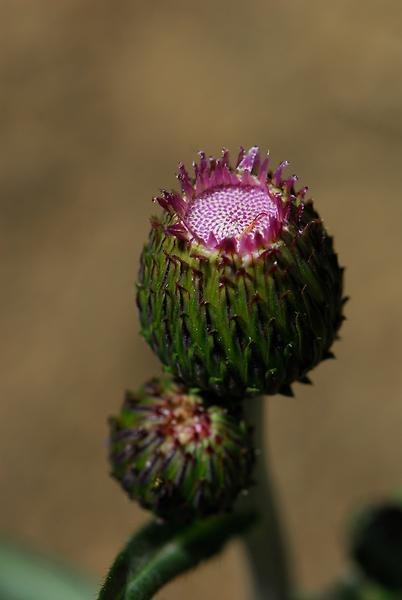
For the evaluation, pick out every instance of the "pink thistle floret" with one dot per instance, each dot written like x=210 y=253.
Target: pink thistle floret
x=241 y=209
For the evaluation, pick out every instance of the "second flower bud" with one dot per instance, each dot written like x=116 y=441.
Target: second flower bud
x=178 y=455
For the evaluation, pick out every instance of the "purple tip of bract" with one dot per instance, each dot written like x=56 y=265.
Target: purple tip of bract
x=247 y=163
x=302 y=192
x=232 y=209
x=228 y=245
x=178 y=230
x=185 y=181
x=277 y=176
x=264 y=170
x=212 y=242
x=247 y=244
x=290 y=182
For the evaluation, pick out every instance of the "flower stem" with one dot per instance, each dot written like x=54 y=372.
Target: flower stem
x=265 y=544
x=161 y=551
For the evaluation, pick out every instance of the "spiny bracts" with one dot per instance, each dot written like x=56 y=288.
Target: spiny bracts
x=239 y=289
x=177 y=455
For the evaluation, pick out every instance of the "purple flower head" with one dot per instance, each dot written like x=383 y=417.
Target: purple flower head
x=240 y=290
x=241 y=209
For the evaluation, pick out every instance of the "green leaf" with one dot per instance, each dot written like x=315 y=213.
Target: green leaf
x=26 y=575
x=160 y=552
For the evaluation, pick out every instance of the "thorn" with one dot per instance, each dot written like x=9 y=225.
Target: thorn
x=306 y=380
x=286 y=390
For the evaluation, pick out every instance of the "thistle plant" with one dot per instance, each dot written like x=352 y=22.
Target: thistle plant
x=239 y=295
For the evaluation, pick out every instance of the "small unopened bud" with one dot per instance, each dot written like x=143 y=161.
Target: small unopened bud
x=177 y=455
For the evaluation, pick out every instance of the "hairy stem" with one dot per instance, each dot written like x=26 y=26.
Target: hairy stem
x=160 y=552
x=265 y=544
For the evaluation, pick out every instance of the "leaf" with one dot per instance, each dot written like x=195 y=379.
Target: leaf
x=26 y=575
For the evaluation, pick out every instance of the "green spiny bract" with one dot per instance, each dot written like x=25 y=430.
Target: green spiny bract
x=177 y=455
x=255 y=304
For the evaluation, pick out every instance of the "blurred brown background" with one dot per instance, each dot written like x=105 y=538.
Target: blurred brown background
x=98 y=103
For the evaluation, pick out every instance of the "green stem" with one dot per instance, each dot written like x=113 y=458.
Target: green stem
x=265 y=544
x=160 y=552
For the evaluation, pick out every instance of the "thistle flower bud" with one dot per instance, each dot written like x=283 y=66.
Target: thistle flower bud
x=377 y=544
x=178 y=456
x=239 y=288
